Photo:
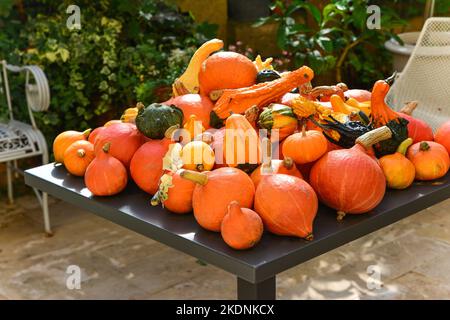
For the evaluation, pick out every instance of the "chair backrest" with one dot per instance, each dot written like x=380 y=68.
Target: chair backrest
x=426 y=77
x=36 y=88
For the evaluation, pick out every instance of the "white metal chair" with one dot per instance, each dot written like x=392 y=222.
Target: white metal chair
x=20 y=140
x=426 y=77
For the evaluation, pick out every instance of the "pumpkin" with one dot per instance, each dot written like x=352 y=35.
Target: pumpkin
x=260 y=95
x=194 y=126
x=278 y=118
x=267 y=75
x=418 y=130
x=146 y=166
x=154 y=120
x=78 y=156
x=215 y=190
x=442 y=135
x=383 y=115
x=175 y=193
x=197 y=155
x=287 y=205
x=398 y=170
x=358 y=94
x=305 y=146
x=242 y=146
x=188 y=81
x=350 y=180
x=226 y=70
x=125 y=139
x=105 y=175
x=324 y=93
x=193 y=104
x=241 y=228
x=430 y=159
x=64 y=140
x=94 y=134
x=285 y=166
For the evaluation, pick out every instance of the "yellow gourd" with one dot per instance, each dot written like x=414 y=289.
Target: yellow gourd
x=338 y=105
x=198 y=156
x=194 y=126
x=188 y=82
x=363 y=106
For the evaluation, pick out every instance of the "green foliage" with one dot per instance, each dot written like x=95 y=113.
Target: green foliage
x=126 y=51
x=335 y=39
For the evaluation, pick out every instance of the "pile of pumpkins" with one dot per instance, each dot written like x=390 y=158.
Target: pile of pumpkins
x=319 y=147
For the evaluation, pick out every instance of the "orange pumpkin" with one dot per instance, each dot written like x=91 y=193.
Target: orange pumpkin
x=193 y=104
x=305 y=146
x=287 y=205
x=226 y=70
x=442 y=135
x=194 y=126
x=241 y=142
x=215 y=190
x=64 y=140
x=398 y=170
x=350 y=180
x=78 y=156
x=176 y=197
x=285 y=166
x=430 y=159
x=146 y=166
x=94 y=134
x=105 y=175
x=241 y=228
x=125 y=139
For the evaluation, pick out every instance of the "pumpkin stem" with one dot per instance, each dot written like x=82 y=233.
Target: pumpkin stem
x=233 y=207
x=409 y=107
x=155 y=199
x=404 y=146
x=200 y=167
x=106 y=147
x=309 y=237
x=424 y=146
x=87 y=132
x=391 y=79
x=194 y=176
x=303 y=123
x=372 y=137
x=215 y=94
x=288 y=163
x=340 y=216
x=81 y=153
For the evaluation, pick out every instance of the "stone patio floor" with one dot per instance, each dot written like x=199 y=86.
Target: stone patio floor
x=413 y=256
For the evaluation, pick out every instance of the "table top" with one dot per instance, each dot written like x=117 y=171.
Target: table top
x=273 y=254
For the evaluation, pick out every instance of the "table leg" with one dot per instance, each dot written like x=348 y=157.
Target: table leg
x=264 y=290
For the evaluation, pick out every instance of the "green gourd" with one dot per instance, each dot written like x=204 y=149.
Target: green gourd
x=153 y=120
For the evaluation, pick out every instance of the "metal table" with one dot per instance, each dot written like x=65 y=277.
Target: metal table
x=256 y=268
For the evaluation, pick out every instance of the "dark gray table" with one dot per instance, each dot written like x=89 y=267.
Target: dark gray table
x=256 y=268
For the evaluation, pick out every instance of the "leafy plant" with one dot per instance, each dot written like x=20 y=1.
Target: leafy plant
x=126 y=51
x=337 y=39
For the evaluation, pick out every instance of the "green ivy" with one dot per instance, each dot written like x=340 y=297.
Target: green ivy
x=126 y=51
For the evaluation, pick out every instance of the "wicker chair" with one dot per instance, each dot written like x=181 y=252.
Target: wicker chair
x=20 y=140
x=425 y=78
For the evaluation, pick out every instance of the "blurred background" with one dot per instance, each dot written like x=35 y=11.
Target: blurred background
x=129 y=51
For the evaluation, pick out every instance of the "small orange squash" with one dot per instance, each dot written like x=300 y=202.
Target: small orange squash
x=175 y=193
x=241 y=142
x=146 y=166
x=194 y=126
x=398 y=170
x=215 y=190
x=78 y=157
x=241 y=228
x=442 y=135
x=430 y=159
x=105 y=175
x=64 y=140
x=287 y=205
x=305 y=146
x=351 y=180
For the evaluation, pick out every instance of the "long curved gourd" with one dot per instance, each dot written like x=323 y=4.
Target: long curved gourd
x=188 y=82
